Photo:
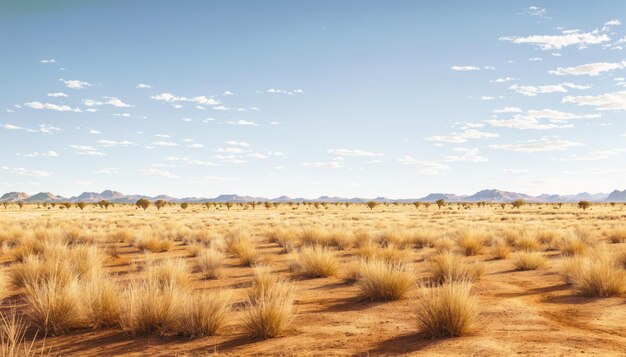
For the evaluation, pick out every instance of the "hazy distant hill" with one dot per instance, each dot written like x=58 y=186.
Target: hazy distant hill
x=491 y=195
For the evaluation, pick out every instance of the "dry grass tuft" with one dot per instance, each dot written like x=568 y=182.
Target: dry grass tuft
x=101 y=302
x=596 y=275
x=617 y=235
x=242 y=246
x=570 y=246
x=500 y=250
x=449 y=267
x=472 y=242
x=204 y=314
x=150 y=309
x=54 y=307
x=316 y=262
x=169 y=272
x=449 y=310
x=209 y=263
x=152 y=242
x=13 y=337
x=529 y=261
x=380 y=280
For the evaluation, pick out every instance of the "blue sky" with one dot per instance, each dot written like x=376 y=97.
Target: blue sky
x=309 y=98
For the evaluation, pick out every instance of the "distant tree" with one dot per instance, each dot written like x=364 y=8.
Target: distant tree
x=560 y=204
x=67 y=205
x=372 y=204
x=207 y=205
x=417 y=204
x=347 y=204
x=53 y=204
x=184 y=205
x=503 y=205
x=45 y=204
x=104 y=204
x=518 y=203
x=159 y=204
x=81 y=205
x=316 y=204
x=276 y=204
x=584 y=205
x=253 y=204
x=267 y=205
x=426 y=204
x=21 y=204
x=440 y=202
x=612 y=204
x=5 y=204
x=228 y=205
x=142 y=203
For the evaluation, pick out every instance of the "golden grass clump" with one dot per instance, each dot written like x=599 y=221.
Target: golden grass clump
x=313 y=236
x=121 y=236
x=472 y=242
x=548 y=237
x=284 y=237
x=596 y=275
x=527 y=243
x=380 y=280
x=13 y=337
x=617 y=235
x=340 y=239
x=153 y=242
x=572 y=245
x=242 y=246
x=53 y=307
x=499 y=249
x=270 y=305
x=101 y=302
x=149 y=308
x=425 y=237
x=317 y=262
x=449 y=267
x=169 y=272
x=529 y=261
x=203 y=314
x=209 y=263
x=449 y=310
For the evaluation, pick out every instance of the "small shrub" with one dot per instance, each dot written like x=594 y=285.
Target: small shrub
x=379 y=280
x=317 y=262
x=617 y=235
x=450 y=267
x=449 y=310
x=209 y=263
x=203 y=314
x=54 y=307
x=529 y=261
x=472 y=242
x=500 y=250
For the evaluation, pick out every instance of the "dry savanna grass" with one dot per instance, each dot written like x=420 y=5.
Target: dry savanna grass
x=326 y=279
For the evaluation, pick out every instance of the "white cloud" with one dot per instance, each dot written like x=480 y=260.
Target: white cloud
x=555 y=42
x=163 y=143
x=238 y=143
x=324 y=165
x=282 y=91
x=468 y=155
x=87 y=150
x=52 y=60
x=592 y=156
x=535 y=59
x=231 y=150
x=503 y=80
x=57 y=94
x=50 y=106
x=457 y=138
x=143 y=85
x=589 y=69
x=227 y=93
x=465 y=68
x=537 y=12
x=352 y=152
x=156 y=173
x=242 y=122
x=611 y=23
x=532 y=91
x=195 y=146
x=108 y=101
x=107 y=171
x=486 y=97
x=170 y=98
x=50 y=153
x=607 y=101
x=24 y=172
x=125 y=115
x=507 y=110
x=425 y=167
x=534 y=119
x=12 y=127
x=92 y=131
x=111 y=143
x=542 y=145
x=75 y=84
x=257 y=155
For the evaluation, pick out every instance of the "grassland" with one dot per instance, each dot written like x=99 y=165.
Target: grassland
x=332 y=279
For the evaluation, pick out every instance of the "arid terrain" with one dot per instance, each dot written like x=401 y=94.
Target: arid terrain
x=549 y=309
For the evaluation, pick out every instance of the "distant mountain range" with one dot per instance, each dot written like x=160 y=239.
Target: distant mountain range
x=484 y=195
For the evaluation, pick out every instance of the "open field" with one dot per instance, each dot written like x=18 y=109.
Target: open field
x=335 y=279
